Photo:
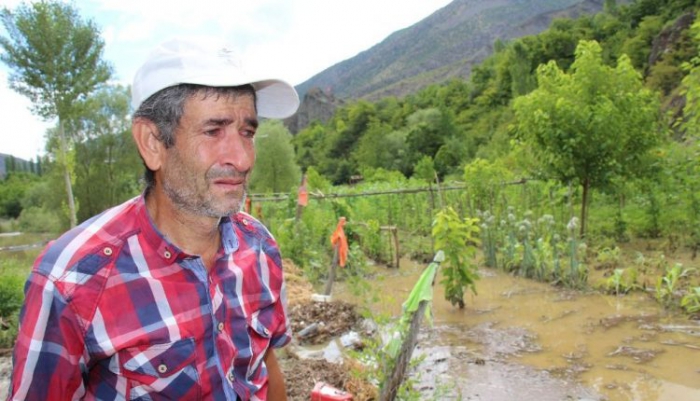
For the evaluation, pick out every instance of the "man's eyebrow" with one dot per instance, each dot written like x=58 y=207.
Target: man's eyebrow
x=218 y=121
x=222 y=122
x=253 y=122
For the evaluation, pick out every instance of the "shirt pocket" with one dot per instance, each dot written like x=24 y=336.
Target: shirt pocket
x=161 y=371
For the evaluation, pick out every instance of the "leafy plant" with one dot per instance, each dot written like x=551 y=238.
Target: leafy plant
x=691 y=301
x=667 y=285
x=622 y=281
x=458 y=239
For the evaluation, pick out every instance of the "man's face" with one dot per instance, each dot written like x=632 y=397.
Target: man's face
x=206 y=172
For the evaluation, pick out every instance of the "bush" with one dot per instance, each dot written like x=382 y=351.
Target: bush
x=13 y=275
x=39 y=220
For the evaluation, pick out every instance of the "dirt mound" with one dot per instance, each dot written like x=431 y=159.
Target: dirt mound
x=322 y=320
x=299 y=290
x=301 y=375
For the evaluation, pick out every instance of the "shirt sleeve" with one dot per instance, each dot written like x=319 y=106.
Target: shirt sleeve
x=47 y=356
x=282 y=332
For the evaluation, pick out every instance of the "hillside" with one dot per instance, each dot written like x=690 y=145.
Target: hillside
x=446 y=44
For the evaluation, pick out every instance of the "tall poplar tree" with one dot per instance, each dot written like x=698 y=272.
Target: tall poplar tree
x=55 y=58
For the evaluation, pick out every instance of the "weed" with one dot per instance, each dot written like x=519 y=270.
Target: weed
x=691 y=301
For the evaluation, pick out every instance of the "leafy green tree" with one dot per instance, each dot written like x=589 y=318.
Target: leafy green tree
x=12 y=191
x=381 y=147
x=275 y=169
x=691 y=86
x=459 y=239
x=55 y=57
x=638 y=46
x=105 y=153
x=591 y=125
x=428 y=130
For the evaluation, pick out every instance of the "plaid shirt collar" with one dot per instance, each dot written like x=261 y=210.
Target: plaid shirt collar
x=170 y=252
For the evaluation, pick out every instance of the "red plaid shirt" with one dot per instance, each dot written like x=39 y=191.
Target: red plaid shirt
x=114 y=311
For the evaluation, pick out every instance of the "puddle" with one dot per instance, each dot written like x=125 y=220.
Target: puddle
x=519 y=339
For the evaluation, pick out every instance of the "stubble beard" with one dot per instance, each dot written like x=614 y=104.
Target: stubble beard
x=191 y=194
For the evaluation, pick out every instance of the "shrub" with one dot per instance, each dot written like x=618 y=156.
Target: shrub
x=39 y=220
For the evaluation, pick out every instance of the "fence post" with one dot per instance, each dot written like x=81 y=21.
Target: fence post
x=394 y=379
x=331 y=272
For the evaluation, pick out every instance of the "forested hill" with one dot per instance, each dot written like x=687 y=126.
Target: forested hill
x=452 y=122
x=446 y=44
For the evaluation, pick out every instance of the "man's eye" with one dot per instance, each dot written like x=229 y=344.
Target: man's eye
x=212 y=132
x=248 y=133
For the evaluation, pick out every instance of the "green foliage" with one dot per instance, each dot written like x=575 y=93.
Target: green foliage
x=485 y=181
x=13 y=275
x=425 y=169
x=105 y=153
x=667 y=285
x=458 y=238
x=275 y=169
x=691 y=86
x=592 y=125
x=638 y=47
x=691 y=301
x=11 y=293
x=12 y=191
x=39 y=220
x=55 y=58
x=622 y=281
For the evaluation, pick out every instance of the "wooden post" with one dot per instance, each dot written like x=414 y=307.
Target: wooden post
x=394 y=378
x=300 y=209
x=395 y=234
x=331 y=271
x=404 y=358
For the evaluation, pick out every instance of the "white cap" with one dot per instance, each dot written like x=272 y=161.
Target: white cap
x=182 y=61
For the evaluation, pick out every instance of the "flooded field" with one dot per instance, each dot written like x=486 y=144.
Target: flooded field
x=522 y=340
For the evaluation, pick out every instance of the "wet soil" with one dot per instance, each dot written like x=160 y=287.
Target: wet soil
x=522 y=340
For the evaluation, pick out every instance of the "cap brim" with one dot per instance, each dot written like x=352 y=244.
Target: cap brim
x=275 y=98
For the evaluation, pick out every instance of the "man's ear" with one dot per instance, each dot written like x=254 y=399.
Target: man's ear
x=152 y=150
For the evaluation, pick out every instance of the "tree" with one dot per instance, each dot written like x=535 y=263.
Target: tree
x=55 y=59
x=275 y=169
x=12 y=190
x=428 y=129
x=591 y=125
x=105 y=153
x=691 y=88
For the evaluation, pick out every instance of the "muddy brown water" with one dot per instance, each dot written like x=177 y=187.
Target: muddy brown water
x=523 y=340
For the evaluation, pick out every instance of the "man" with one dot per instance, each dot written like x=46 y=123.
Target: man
x=175 y=294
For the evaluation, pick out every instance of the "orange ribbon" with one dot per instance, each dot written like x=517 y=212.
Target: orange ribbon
x=338 y=239
x=303 y=198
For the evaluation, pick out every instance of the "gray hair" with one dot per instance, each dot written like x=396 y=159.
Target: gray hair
x=166 y=107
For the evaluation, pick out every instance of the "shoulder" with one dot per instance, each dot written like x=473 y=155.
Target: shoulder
x=248 y=223
x=91 y=244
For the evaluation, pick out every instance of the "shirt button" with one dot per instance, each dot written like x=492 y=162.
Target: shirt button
x=266 y=331
x=245 y=222
x=230 y=376
x=220 y=326
x=107 y=251
x=167 y=254
x=162 y=368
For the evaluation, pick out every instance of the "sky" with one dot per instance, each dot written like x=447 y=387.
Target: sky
x=287 y=39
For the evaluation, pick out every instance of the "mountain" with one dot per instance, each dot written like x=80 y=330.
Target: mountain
x=444 y=45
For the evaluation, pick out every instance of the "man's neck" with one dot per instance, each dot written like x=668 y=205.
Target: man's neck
x=194 y=234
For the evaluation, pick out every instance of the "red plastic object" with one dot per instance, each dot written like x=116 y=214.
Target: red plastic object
x=324 y=392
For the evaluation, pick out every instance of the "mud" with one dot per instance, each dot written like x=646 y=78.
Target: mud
x=527 y=341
